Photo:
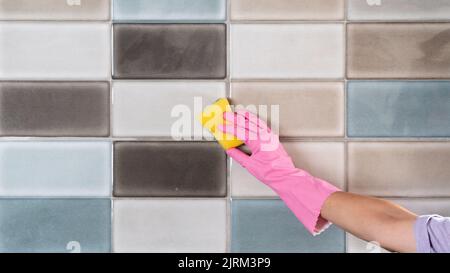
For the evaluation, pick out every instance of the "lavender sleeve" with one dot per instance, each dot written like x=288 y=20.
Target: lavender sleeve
x=432 y=234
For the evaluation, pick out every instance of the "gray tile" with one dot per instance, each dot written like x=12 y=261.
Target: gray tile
x=398 y=108
x=196 y=169
x=55 y=225
x=398 y=10
x=54 y=108
x=401 y=50
x=168 y=51
x=269 y=226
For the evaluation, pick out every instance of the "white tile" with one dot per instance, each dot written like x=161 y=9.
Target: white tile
x=54 y=50
x=287 y=51
x=422 y=206
x=145 y=108
x=169 y=225
x=322 y=159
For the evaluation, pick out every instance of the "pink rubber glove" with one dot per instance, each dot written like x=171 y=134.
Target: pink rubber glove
x=269 y=162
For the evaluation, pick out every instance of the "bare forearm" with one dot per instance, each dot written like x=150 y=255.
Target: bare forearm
x=372 y=219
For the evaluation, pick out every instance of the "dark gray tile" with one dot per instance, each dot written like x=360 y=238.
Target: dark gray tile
x=269 y=226
x=164 y=169
x=55 y=225
x=398 y=108
x=177 y=51
x=54 y=109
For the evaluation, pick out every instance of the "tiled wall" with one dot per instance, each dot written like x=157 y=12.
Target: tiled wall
x=86 y=92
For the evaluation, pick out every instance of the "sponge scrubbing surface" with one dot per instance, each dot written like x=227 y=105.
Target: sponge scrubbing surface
x=212 y=116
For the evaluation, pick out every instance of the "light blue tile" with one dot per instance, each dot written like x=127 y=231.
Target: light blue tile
x=169 y=10
x=55 y=168
x=398 y=108
x=55 y=225
x=269 y=226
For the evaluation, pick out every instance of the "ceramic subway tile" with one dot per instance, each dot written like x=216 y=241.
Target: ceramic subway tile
x=398 y=50
x=305 y=109
x=399 y=10
x=418 y=206
x=183 y=169
x=54 y=50
x=153 y=108
x=322 y=159
x=170 y=225
x=54 y=108
x=55 y=168
x=287 y=51
x=250 y=219
x=287 y=10
x=170 y=51
x=170 y=10
x=398 y=108
x=407 y=169
x=55 y=225
x=54 y=10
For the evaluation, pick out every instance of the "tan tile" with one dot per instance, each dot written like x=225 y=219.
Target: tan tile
x=322 y=159
x=287 y=9
x=398 y=50
x=305 y=109
x=399 y=169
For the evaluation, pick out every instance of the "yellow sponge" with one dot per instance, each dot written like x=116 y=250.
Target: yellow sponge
x=212 y=116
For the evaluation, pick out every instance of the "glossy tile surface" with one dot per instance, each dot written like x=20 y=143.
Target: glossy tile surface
x=398 y=109
x=287 y=10
x=250 y=232
x=54 y=108
x=287 y=51
x=170 y=225
x=54 y=51
x=322 y=159
x=399 y=10
x=55 y=225
x=415 y=169
x=305 y=109
x=55 y=168
x=54 y=9
x=157 y=108
x=419 y=206
x=170 y=51
x=398 y=50
x=164 y=169
x=169 y=10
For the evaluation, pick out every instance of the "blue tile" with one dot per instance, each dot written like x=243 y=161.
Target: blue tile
x=55 y=225
x=55 y=168
x=398 y=108
x=169 y=10
x=269 y=226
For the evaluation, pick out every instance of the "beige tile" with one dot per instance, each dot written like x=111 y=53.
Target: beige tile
x=305 y=109
x=321 y=159
x=410 y=169
x=55 y=9
x=422 y=206
x=398 y=50
x=287 y=9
